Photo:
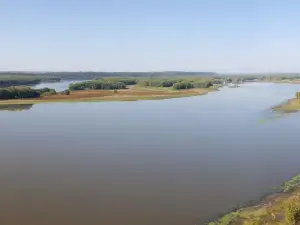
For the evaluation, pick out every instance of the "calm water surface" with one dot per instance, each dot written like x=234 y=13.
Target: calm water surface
x=58 y=86
x=169 y=162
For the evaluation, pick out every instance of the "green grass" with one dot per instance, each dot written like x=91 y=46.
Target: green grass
x=292 y=183
x=280 y=209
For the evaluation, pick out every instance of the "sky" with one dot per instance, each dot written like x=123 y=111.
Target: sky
x=225 y=36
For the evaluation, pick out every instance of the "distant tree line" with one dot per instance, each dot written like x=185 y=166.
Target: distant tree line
x=157 y=82
x=93 y=75
x=97 y=85
x=126 y=81
x=20 y=92
x=120 y=83
x=14 y=80
x=180 y=83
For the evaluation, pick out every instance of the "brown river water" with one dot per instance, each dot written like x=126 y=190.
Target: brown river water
x=168 y=162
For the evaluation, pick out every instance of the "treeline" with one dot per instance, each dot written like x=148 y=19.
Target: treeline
x=121 y=83
x=158 y=82
x=126 y=81
x=14 y=80
x=95 y=75
x=24 y=92
x=98 y=84
x=180 y=83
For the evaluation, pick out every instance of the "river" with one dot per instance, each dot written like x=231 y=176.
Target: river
x=58 y=86
x=167 y=162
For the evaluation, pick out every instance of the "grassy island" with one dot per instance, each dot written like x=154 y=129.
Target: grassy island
x=112 y=89
x=278 y=209
x=132 y=94
x=292 y=105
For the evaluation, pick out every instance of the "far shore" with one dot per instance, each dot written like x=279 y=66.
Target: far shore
x=132 y=94
x=287 y=82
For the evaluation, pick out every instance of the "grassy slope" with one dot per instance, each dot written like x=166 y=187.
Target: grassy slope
x=133 y=94
x=278 y=209
x=292 y=105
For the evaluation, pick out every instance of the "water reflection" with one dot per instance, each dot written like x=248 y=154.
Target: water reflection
x=16 y=107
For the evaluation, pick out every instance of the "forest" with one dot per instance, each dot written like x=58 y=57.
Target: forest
x=21 y=92
x=15 y=80
x=97 y=85
x=121 y=83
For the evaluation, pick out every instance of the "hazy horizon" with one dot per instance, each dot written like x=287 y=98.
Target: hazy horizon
x=131 y=36
x=233 y=73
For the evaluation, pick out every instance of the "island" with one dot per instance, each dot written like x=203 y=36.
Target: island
x=290 y=106
x=281 y=208
x=112 y=89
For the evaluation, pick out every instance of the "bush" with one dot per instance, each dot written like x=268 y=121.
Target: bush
x=298 y=95
x=65 y=92
x=46 y=91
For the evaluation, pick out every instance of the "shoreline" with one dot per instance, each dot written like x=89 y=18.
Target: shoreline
x=280 y=208
x=133 y=94
x=290 y=106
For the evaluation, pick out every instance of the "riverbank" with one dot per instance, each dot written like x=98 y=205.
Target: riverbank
x=287 y=82
x=132 y=94
x=281 y=209
x=292 y=105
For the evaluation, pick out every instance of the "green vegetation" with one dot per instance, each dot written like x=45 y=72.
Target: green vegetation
x=181 y=83
x=292 y=105
x=20 y=92
x=120 y=83
x=126 y=81
x=157 y=82
x=292 y=183
x=124 y=89
x=65 y=92
x=132 y=94
x=98 y=85
x=6 y=81
x=278 y=209
x=9 y=80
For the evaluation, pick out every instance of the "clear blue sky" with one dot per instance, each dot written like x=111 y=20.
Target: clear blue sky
x=153 y=35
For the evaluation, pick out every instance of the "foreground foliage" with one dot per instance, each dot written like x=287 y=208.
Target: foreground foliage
x=278 y=209
x=290 y=106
